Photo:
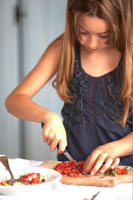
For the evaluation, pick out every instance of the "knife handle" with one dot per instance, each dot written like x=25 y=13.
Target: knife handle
x=42 y=124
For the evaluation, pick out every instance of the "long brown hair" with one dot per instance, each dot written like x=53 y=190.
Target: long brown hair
x=119 y=13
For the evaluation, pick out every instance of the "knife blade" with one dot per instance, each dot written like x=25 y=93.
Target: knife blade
x=69 y=157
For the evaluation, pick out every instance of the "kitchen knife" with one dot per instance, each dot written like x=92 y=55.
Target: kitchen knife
x=68 y=156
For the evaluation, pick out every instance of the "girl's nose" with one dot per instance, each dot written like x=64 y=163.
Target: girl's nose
x=93 y=42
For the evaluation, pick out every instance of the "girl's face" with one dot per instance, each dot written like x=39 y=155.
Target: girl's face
x=94 y=33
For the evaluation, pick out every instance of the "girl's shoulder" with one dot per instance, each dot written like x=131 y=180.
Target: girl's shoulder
x=53 y=51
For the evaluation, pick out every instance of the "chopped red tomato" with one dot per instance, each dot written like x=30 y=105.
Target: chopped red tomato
x=69 y=169
x=31 y=178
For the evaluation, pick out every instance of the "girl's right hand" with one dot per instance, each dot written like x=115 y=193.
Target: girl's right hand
x=54 y=132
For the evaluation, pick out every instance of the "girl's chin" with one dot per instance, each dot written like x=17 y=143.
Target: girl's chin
x=95 y=50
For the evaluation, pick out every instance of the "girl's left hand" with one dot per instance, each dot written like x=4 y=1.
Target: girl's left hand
x=101 y=159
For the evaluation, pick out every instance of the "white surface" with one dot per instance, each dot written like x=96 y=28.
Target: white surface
x=65 y=192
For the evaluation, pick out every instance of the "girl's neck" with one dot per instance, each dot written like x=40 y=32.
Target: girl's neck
x=99 y=63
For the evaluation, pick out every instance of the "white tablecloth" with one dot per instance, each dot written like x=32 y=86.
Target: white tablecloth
x=69 y=192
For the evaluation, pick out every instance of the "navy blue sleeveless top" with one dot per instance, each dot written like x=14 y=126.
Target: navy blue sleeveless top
x=90 y=120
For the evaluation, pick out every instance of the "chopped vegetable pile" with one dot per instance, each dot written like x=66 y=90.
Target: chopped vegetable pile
x=26 y=179
x=117 y=171
x=69 y=168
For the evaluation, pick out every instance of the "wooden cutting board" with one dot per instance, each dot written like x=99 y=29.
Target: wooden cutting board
x=97 y=180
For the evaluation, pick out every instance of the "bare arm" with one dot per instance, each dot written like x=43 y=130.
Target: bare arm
x=124 y=146
x=19 y=102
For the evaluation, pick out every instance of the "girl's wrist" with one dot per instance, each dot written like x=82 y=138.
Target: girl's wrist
x=114 y=149
x=50 y=116
x=124 y=146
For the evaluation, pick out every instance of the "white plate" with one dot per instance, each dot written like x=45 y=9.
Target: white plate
x=52 y=180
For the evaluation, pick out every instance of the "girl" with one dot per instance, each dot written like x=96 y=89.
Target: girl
x=93 y=60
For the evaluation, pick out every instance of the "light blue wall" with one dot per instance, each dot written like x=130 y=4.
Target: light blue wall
x=22 y=46
x=9 y=125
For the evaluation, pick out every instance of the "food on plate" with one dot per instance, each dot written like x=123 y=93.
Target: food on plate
x=69 y=168
x=26 y=179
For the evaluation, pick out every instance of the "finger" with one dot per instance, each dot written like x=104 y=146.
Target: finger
x=89 y=163
x=115 y=163
x=53 y=145
x=49 y=142
x=49 y=138
x=99 y=162
x=62 y=146
x=45 y=135
x=106 y=165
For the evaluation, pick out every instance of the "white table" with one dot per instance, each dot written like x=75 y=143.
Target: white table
x=72 y=192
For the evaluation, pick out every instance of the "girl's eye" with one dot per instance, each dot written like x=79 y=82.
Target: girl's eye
x=105 y=36
x=83 y=33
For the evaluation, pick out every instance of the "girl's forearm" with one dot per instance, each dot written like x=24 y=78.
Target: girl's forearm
x=24 y=108
x=124 y=146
